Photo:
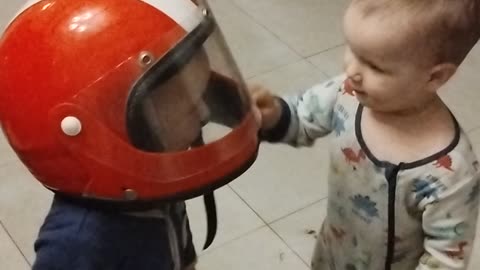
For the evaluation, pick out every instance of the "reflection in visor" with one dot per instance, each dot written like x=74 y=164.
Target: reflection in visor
x=177 y=120
x=138 y=127
x=182 y=94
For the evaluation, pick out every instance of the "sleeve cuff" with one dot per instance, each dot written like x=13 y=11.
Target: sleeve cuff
x=277 y=133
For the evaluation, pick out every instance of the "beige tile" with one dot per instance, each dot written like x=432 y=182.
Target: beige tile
x=291 y=78
x=8 y=10
x=23 y=205
x=330 y=62
x=6 y=153
x=284 y=179
x=255 y=49
x=10 y=256
x=308 y=26
x=235 y=218
x=462 y=93
x=300 y=229
x=473 y=58
x=260 y=250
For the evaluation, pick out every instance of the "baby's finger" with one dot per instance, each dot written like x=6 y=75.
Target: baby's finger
x=264 y=99
x=257 y=114
x=255 y=88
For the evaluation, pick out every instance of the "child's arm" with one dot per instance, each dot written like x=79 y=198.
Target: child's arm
x=299 y=120
x=449 y=224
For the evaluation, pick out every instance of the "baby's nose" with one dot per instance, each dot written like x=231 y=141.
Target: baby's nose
x=352 y=71
x=357 y=78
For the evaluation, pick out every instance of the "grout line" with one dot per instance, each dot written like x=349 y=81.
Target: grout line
x=296 y=211
x=261 y=73
x=270 y=227
x=261 y=25
x=328 y=76
x=15 y=243
x=245 y=12
x=279 y=38
x=326 y=50
x=284 y=240
x=249 y=206
x=210 y=250
x=289 y=247
x=306 y=59
x=280 y=67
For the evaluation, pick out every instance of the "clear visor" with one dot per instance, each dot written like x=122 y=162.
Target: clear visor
x=193 y=95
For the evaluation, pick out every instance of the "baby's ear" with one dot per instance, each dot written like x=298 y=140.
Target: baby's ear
x=440 y=74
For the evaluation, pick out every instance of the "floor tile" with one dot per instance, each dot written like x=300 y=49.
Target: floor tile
x=6 y=153
x=255 y=49
x=291 y=78
x=330 y=62
x=284 y=179
x=8 y=10
x=300 y=229
x=24 y=204
x=235 y=218
x=260 y=250
x=462 y=93
x=307 y=26
x=10 y=256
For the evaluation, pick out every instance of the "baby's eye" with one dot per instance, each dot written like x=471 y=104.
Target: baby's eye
x=376 y=68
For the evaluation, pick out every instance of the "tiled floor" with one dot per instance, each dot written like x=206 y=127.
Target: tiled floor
x=268 y=215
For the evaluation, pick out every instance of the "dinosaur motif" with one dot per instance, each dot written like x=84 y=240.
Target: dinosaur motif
x=338 y=233
x=353 y=157
x=458 y=254
x=444 y=162
x=427 y=188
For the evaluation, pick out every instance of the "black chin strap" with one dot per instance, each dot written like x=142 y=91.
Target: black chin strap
x=210 y=206
x=211 y=210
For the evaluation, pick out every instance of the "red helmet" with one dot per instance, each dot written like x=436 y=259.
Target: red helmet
x=124 y=100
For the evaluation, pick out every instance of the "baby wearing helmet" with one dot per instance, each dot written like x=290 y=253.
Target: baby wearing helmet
x=127 y=110
x=403 y=183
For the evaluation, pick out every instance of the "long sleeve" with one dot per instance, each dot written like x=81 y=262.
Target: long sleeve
x=307 y=116
x=449 y=224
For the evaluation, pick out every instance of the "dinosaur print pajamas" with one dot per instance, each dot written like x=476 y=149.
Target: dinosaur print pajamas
x=382 y=216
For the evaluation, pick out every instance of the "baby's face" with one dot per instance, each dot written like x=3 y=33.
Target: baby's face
x=179 y=110
x=382 y=69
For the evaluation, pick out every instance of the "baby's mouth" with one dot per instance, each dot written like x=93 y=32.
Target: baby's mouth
x=351 y=88
x=359 y=92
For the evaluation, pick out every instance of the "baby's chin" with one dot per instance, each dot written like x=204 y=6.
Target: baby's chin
x=362 y=97
x=372 y=105
x=360 y=93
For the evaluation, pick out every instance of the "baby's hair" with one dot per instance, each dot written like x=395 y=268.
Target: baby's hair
x=447 y=28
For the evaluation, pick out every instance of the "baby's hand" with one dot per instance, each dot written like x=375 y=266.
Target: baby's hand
x=267 y=107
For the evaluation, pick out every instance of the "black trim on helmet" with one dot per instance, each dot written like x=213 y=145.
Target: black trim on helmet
x=143 y=205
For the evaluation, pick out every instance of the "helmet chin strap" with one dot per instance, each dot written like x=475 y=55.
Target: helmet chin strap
x=210 y=205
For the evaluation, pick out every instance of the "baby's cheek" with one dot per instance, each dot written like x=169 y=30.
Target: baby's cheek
x=190 y=129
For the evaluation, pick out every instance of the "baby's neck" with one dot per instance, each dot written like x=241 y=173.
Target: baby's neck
x=413 y=116
x=409 y=135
